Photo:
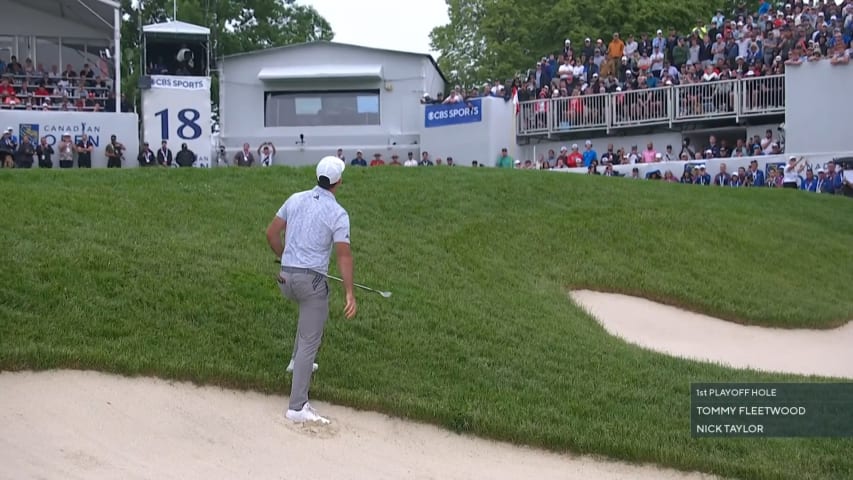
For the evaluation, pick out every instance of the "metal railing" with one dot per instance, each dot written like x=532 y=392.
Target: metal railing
x=667 y=105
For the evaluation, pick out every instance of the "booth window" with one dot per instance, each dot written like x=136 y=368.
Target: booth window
x=315 y=109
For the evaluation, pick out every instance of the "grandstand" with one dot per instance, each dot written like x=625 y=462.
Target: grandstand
x=67 y=62
x=729 y=70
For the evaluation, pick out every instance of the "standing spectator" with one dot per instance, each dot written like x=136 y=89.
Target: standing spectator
x=164 y=155
x=85 y=147
x=589 y=154
x=146 y=157
x=395 y=160
x=821 y=183
x=704 y=177
x=266 y=152
x=809 y=184
x=722 y=179
x=45 y=153
x=186 y=157
x=411 y=162
x=8 y=147
x=834 y=179
x=243 y=158
x=504 y=160
x=574 y=159
x=791 y=175
x=425 y=161
x=649 y=154
x=115 y=153
x=25 y=154
x=359 y=160
x=66 y=151
x=615 y=51
x=377 y=160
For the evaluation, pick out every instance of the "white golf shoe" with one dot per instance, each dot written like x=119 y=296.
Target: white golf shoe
x=290 y=366
x=307 y=414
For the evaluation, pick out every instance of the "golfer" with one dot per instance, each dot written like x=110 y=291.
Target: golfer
x=313 y=222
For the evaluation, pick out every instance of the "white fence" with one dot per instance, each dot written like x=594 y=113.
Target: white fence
x=665 y=105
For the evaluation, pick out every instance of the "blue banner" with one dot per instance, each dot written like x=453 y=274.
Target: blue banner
x=453 y=113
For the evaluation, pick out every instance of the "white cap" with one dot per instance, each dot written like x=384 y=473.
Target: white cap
x=518 y=162
x=574 y=146
x=10 y=129
x=330 y=167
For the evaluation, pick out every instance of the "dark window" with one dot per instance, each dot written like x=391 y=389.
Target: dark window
x=307 y=109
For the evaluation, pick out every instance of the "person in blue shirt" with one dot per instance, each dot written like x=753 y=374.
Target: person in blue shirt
x=756 y=174
x=589 y=154
x=359 y=160
x=834 y=179
x=704 y=178
x=809 y=184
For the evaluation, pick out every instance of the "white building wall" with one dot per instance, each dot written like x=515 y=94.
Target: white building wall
x=406 y=78
x=818 y=121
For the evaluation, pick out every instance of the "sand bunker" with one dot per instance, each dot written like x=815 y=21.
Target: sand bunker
x=86 y=425
x=684 y=334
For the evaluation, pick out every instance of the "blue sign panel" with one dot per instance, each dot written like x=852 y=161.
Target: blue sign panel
x=470 y=111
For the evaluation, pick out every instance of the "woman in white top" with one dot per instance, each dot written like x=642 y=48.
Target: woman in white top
x=792 y=172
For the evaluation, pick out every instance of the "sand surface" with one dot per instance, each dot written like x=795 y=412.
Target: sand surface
x=673 y=331
x=85 y=425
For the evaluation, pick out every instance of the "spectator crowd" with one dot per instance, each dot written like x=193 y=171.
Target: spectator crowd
x=744 y=44
x=29 y=86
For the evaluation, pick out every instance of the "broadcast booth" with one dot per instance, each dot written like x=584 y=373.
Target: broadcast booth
x=176 y=88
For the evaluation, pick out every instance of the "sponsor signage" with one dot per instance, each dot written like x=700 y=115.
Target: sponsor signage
x=99 y=126
x=453 y=114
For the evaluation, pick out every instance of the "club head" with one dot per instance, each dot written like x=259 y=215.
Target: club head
x=385 y=294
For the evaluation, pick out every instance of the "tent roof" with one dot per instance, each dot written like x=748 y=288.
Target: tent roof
x=85 y=12
x=176 y=28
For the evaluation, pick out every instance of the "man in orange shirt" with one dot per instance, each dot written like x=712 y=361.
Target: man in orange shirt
x=615 y=51
x=377 y=160
x=395 y=160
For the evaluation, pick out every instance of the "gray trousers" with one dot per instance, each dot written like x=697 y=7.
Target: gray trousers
x=310 y=291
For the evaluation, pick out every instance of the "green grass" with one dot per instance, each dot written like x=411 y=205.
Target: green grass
x=167 y=273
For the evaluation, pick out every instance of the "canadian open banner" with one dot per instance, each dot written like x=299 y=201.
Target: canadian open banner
x=99 y=126
x=177 y=110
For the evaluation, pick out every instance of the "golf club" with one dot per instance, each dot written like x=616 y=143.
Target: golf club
x=384 y=294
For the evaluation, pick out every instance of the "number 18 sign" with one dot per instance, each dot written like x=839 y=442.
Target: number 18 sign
x=177 y=110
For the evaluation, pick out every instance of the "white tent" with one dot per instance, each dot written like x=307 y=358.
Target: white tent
x=176 y=28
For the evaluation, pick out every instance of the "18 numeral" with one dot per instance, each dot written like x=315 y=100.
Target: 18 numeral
x=188 y=118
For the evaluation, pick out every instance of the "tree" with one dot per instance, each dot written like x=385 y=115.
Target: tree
x=235 y=27
x=494 y=40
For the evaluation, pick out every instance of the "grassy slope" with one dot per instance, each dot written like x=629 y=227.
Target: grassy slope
x=168 y=273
